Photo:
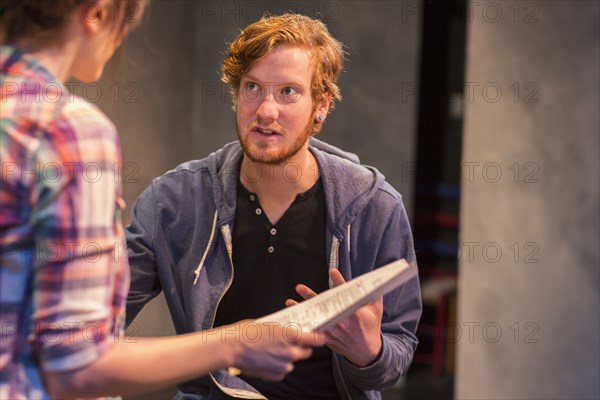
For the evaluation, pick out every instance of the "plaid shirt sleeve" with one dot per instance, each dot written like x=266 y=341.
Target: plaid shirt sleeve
x=80 y=273
x=64 y=273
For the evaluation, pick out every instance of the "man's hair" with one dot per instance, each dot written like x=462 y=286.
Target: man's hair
x=40 y=19
x=259 y=39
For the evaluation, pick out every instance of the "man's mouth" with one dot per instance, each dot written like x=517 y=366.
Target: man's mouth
x=264 y=131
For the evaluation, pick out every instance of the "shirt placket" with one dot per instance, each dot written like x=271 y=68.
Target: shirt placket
x=272 y=231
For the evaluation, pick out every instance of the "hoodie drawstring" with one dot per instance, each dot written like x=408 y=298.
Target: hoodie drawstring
x=348 y=239
x=208 y=246
x=334 y=254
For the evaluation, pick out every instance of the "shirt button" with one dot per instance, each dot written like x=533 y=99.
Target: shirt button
x=258 y=211
x=273 y=231
x=270 y=249
x=252 y=198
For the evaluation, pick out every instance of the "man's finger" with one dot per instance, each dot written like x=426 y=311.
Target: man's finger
x=290 y=303
x=336 y=277
x=305 y=292
x=378 y=303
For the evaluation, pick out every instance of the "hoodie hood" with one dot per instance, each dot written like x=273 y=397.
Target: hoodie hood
x=349 y=186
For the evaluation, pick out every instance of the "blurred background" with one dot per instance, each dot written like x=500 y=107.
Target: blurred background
x=484 y=115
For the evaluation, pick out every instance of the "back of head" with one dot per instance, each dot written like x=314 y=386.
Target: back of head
x=260 y=38
x=41 y=21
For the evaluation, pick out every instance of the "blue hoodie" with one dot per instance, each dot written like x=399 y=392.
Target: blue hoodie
x=180 y=242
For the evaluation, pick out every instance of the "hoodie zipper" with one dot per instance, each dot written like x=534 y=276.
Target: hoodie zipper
x=227 y=239
x=334 y=262
x=234 y=392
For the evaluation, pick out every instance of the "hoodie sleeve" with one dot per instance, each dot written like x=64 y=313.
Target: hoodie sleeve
x=402 y=310
x=145 y=284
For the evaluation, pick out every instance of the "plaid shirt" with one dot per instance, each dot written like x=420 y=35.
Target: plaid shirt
x=64 y=273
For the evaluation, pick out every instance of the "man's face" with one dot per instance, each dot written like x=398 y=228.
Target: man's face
x=275 y=110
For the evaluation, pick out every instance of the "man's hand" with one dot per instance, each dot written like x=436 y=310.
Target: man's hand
x=358 y=337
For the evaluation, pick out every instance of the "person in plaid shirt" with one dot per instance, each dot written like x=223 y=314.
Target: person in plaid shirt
x=64 y=274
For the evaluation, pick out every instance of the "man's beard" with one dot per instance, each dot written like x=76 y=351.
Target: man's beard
x=266 y=155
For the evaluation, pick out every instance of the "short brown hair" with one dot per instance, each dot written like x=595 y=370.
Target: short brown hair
x=40 y=19
x=259 y=39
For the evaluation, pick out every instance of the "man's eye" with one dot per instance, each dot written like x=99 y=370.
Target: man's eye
x=251 y=92
x=290 y=93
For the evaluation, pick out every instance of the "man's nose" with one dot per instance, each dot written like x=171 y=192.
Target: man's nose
x=268 y=110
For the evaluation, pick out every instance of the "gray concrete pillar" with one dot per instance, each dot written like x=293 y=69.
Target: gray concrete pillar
x=528 y=314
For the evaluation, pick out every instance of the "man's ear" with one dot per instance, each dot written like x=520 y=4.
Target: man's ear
x=323 y=108
x=94 y=14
